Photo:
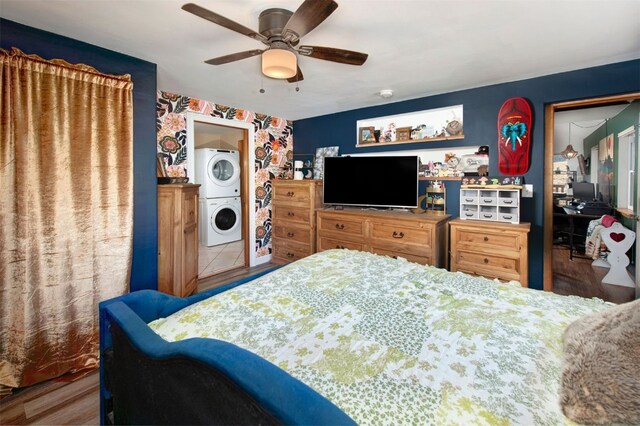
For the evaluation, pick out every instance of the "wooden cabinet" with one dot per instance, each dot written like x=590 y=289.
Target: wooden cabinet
x=420 y=238
x=294 y=218
x=178 y=239
x=490 y=249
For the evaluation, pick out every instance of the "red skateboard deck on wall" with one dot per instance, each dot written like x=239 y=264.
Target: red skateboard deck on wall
x=514 y=128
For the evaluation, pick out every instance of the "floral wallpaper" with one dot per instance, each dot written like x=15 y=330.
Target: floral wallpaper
x=273 y=147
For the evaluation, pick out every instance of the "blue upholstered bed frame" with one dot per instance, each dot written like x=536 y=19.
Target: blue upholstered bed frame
x=147 y=380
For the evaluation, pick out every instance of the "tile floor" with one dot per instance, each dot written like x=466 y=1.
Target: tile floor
x=215 y=259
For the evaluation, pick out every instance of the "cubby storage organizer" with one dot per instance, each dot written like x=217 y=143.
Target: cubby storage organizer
x=500 y=205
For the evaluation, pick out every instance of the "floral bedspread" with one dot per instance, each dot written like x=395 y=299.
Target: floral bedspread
x=393 y=342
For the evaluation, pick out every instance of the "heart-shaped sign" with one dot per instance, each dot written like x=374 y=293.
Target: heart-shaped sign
x=617 y=237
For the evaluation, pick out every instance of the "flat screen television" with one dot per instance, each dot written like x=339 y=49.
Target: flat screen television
x=371 y=181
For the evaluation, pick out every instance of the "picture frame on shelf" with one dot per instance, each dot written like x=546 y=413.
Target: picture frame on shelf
x=366 y=135
x=403 y=134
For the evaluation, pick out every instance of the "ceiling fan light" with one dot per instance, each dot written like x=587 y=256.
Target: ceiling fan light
x=279 y=63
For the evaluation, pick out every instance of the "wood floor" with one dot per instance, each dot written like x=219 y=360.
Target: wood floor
x=61 y=402
x=577 y=277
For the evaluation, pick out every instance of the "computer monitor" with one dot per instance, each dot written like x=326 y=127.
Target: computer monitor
x=584 y=191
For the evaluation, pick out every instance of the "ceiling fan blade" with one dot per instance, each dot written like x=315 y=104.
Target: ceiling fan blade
x=222 y=21
x=308 y=16
x=233 y=57
x=297 y=77
x=335 y=55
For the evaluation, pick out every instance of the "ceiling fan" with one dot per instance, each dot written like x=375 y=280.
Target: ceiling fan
x=281 y=30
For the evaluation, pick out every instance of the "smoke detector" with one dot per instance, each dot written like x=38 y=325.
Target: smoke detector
x=386 y=93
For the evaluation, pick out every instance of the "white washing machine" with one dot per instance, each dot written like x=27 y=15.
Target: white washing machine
x=221 y=220
x=218 y=171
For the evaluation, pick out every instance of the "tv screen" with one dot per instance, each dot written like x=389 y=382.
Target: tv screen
x=383 y=181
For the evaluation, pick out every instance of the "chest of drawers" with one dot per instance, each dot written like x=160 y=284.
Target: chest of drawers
x=294 y=218
x=417 y=238
x=490 y=249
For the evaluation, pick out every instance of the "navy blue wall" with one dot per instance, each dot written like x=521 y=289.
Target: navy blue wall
x=481 y=107
x=144 y=272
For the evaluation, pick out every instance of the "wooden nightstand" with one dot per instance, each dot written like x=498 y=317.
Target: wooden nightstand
x=490 y=249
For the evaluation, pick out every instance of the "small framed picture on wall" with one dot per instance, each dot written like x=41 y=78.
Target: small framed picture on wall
x=318 y=164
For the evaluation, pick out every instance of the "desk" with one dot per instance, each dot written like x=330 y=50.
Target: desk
x=582 y=222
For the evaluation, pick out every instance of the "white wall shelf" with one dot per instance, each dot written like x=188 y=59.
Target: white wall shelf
x=423 y=126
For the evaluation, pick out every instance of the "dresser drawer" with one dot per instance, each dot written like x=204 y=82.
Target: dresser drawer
x=401 y=233
x=489 y=241
x=507 y=217
x=292 y=233
x=290 y=251
x=292 y=214
x=325 y=243
x=340 y=224
x=487 y=265
x=287 y=193
x=423 y=260
x=488 y=215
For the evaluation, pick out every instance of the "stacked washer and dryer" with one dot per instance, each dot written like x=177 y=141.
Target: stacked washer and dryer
x=220 y=208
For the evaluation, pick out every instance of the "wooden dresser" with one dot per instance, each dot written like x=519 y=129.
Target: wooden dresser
x=490 y=249
x=294 y=218
x=420 y=238
x=178 y=238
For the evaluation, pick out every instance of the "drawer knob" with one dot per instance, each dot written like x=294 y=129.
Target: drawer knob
x=394 y=257
x=290 y=194
x=486 y=215
x=486 y=260
x=290 y=234
x=468 y=200
x=508 y=201
x=468 y=214
x=339 y=226
x=508 y=217
x=398 y=234
x=486 y=238
x=290 y=214
x=487 y=201
x=340 y=247
x=290 y=255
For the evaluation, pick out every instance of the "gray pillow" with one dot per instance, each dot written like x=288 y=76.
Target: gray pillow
x=601 y=373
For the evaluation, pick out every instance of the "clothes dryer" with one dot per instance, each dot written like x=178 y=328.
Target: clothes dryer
x=221 y=220
x=218 y=171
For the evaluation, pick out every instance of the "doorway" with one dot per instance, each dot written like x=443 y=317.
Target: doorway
x=573 y=179
x=220 y=167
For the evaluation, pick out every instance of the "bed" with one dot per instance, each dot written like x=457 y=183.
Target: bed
x=339 y=337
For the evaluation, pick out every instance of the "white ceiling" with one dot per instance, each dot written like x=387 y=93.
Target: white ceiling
x=416 y=47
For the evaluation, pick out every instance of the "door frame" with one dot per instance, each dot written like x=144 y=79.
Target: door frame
x=549 y=113
x=247 y=176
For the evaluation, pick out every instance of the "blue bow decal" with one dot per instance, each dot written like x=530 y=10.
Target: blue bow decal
x=514 y=132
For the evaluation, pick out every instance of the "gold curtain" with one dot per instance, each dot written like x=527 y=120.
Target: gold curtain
x=66 y=196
